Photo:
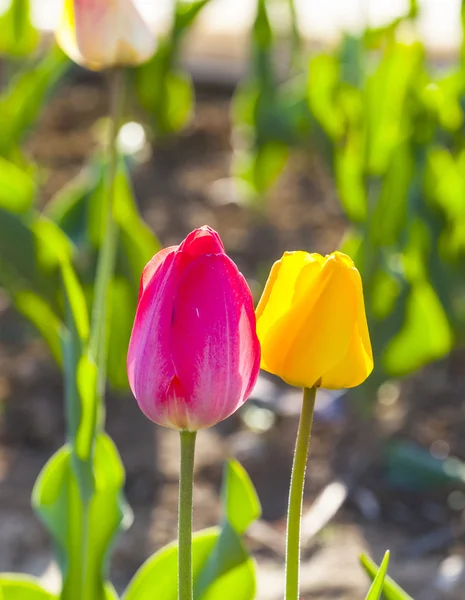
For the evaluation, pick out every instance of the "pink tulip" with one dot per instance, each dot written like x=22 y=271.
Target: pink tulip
x=194 y=355
x=99 y=34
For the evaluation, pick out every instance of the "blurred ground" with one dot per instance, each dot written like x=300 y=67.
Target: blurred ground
x=184 y=185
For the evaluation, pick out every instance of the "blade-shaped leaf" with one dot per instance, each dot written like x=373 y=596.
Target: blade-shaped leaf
x=391 y=591
x=374 y=593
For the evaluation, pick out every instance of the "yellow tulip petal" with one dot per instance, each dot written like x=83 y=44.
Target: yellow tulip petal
x=357 y=365
x=325 y=333
x=290 y=278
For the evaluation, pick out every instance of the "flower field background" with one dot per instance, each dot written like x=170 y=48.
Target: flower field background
x=360 y=147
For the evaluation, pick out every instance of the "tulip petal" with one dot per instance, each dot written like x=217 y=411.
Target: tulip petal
x=291 y=279
x=153 y=265
x=204 y=240
x=150 y=369
x=103 y=33
x=214 y=347
x=358 y=362
x=314 y=333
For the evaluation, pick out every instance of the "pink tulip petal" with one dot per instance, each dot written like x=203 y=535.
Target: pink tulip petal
x=150 y=369
x=214 y=347
x=202 y=241
x=153 y=265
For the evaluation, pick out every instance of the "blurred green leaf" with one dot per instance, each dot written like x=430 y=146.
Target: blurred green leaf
x=239 y=497
x=374 y=593
x=56 y=500
x=164 y=91
x=391 y=591
x=349 y=172
x=386 y=90
x=30 y=253
x=79 y=210
x=22 y=101
x=22 y=587
x=425 y=335
x=17 y=187
x=41 y=315
x=390 y=213
x=18 y=36
x=185 y=15
x=323 y=84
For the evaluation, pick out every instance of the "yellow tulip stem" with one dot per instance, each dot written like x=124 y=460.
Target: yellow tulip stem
x=294 y=514
x=186 y=489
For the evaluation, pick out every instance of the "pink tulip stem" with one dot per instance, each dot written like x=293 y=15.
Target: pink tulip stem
x=106 y=260
x=186 y=488
x=294 y=514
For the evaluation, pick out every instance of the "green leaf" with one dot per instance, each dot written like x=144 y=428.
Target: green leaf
x=158 y=576
x=17 y=187
x=41 y=315
x=79 y=211
x=57 y=501
x=425 y=335
x=391 y=591
x=374 y=593
x=21 y=102
x=186 y=13
x=228 y=572
x=222 y=568
x=22 y=587
x=229 y=555
x=349 y=173
x=323 y=84
x=18 y=36
x=30 y=254
x=240 y=498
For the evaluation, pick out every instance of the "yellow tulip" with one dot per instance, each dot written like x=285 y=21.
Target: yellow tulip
x=99 y=34
x=311 y=322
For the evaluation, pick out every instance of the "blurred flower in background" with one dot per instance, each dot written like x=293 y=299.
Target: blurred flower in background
x=99 y=34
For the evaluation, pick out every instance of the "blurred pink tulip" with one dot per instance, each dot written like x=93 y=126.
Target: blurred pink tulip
x=194 y=355
x=98 y=34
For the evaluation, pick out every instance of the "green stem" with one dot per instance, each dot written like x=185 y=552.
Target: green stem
x=106 y=260
x=186 y=485
x=105 y=268
x=296 y=493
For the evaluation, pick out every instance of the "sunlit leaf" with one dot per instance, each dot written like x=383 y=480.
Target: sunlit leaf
x=425 y=336
x=18 y=36
x=239 y=497
x=17 y=187
x=21 y=102
x=22 y=587
x=376 y=588
x=57 y=501
x=391 y=591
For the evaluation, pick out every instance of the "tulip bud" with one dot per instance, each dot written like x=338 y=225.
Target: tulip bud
x=311 y=322
x=194 y=354
x=99 y=34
